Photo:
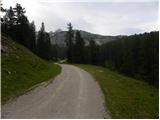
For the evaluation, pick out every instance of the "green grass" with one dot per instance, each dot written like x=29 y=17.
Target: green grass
x=126 y=97
x=21 y=70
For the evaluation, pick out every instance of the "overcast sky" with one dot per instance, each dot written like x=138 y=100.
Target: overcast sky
x=106 y=17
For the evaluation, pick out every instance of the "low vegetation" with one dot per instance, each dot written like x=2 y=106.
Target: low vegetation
x=21 y=69
x=126 y=97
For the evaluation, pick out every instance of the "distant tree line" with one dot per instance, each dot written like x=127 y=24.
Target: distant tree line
x=136 y=55
x=16 y=24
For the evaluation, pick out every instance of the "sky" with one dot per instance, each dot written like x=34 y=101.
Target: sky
x=105 y=17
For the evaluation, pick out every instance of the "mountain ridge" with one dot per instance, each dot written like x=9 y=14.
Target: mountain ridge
x=58 y=37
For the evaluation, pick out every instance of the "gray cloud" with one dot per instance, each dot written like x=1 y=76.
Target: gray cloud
x=108 y=18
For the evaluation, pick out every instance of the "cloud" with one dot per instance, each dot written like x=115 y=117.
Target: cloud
x=111 y=17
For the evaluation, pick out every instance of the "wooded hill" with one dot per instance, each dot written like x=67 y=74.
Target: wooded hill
x=136 y=55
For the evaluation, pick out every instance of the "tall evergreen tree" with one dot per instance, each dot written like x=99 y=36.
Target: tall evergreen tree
x=69 y=43
x=20 y=31
x=20 y=14
x=40 y=41
x=8 y=20
x=79 y=48
x=93 y=53
x=16 y=24
x=44 y=47
x=32 y=37
x=47 y=47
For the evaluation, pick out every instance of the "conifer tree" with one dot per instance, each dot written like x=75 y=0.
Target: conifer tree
x=69 y=43
x=79 y=48
x=32 y=37
x=94 y=53
x=40 y=41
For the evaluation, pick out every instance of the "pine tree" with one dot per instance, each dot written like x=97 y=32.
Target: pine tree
x=20 y=14
x=8 y=20
x=16 y=24
x=40 y=41
x=32 y=37
x=47 y=47
x=79 y=48
x=94 y=53
x=69 y=43
x=44 y=47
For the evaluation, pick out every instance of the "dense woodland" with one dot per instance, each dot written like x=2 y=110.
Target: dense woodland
x=136 y=55
x=16 y=24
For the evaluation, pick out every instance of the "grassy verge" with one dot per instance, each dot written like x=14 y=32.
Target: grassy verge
x=21 y=70
x=126 y=97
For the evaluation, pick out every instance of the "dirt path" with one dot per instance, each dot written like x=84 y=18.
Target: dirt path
x=73 y=94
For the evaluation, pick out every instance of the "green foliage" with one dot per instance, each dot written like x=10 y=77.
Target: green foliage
x=32 y=39
x=21 y=69
x=93 y=53
x=126 y=97
x=78 y=49
x=136 y=56
x=45 y=49
x=15 y=24
x=69 y=43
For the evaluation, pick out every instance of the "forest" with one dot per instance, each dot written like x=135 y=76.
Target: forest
x=136 y=55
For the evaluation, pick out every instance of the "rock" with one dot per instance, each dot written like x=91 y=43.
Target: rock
x=9 y=72
x=4 y=49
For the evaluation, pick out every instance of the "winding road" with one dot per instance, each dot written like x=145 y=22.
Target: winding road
x=72 y=94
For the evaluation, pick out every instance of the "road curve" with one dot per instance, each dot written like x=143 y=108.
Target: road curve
x=72 y=94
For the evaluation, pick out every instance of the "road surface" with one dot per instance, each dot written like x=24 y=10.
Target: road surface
x=72 y=94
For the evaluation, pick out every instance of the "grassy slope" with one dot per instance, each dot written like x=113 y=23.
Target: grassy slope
x=21 y=69
x=126 y=97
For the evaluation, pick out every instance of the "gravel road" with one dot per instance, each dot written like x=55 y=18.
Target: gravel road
x=72 y=94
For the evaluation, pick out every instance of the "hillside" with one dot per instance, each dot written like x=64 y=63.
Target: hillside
x=21 y=69
x=58 y=37
x=125 y=97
